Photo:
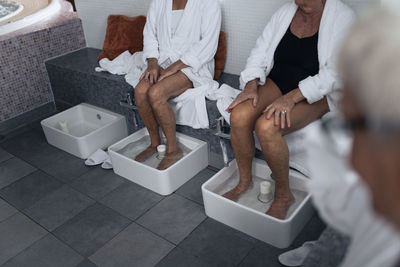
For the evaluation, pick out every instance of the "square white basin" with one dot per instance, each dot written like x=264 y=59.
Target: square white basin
x=83 y=129
x=146 y=174
x=248 y=214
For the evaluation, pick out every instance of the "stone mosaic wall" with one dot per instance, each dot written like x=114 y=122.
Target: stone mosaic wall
x=24 y=83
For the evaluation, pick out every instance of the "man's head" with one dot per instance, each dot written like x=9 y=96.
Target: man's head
x=370 y=68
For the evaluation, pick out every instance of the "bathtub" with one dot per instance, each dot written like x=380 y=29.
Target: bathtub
x=52 y=8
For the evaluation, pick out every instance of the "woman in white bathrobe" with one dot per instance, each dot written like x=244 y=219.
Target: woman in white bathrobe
x=180 y=42
x=289 y=81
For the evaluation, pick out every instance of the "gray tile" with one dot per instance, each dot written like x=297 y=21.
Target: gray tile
x=135 y=246
x=26 y=191
x=91 y=229
x=86 y=263
x=6 y=210
x=4 y=155
x=58 y=207
x=173 y=218
x=66 y=167
x=131 y=200
x=48 y=251
x=12 y=170
x=32 y=147
x=263 y=256
x=17 y=233
x=97 y=183
x=266 y=255
x=192 y=189
x=177 y=257
x=28 y=146
x=217 y=244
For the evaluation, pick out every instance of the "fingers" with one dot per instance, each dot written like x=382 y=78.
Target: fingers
x=162 y=77
x=235 y=102
x=283 y=119
x=270 y=111
x=255 y=101
x=288 y=119
x=142 y=76
x=276 y=117
x=147 y=76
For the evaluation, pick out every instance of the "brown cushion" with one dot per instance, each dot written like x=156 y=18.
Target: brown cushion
x=220 y=56
x=123 y=33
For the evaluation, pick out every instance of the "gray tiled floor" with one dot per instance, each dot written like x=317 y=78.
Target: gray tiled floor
x=13 y=169
x=17 y=233
x=48 y=251
x=6 y=210
x=129 y=247
x=4 y=155
x=54 y=211
x=58 y=207
x=173 y=218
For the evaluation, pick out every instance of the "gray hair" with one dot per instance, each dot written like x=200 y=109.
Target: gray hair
x=369 y=65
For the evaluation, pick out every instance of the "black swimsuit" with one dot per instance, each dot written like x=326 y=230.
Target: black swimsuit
x=294 y=60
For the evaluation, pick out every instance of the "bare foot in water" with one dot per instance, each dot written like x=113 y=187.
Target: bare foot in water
x=169 y=159
x=280 y=206
x=145 y=154
x=235 y=193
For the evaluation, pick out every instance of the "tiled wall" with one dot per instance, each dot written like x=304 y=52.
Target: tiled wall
x=24 y=84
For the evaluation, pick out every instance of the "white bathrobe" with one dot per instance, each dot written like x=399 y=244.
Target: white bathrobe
x=336 y=19
x=195 y=41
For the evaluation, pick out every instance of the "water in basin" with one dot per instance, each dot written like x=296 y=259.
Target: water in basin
x=250 y=197
x=133 y=149
x=7 y=8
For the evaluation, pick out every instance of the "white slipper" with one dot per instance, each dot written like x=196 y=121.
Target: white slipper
x=107 y=164
x=296 y=257
x=96 y=158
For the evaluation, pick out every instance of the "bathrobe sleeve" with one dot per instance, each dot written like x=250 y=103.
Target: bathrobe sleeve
x=257 y=62
x=204 y=51
x=314 y=88
x=150 y=42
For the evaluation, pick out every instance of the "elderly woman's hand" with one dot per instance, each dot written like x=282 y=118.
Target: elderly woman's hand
x=281 y=109
x=249 y=92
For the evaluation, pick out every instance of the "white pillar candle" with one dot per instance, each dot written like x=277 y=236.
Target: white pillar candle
x=265 y=187
x=161 y=149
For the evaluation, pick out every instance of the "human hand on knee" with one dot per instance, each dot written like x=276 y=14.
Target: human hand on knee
x=280 y=109
x=152 y=72
x=249 y=92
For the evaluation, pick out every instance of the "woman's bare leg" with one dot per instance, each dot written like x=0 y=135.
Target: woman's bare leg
x=159 y=94
x=276 y=152
x=149 y=119
x=243 y=119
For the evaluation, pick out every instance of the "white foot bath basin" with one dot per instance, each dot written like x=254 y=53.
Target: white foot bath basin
x=248 y=214
x=83 y=129
x=146 y=174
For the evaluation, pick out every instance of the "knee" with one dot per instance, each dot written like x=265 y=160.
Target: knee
x=241 y=117
x=141 y=90
x=156 y=95
x=266 y=129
